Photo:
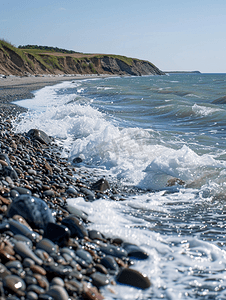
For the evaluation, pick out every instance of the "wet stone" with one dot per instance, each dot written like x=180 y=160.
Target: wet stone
x=75 y=211
x=39 y=135
x=22 y=238
x=34 y=210
x=58 y=234
x=15 y=284
x=99 y=279
x=133 y=278
x=84 y=255
x=58 y=293
x=101 y=185
x=76 y=226
x=47 y=245
x=24 y=251
x=95 y=235
x=22 y=191
x=113 y=250
x=110 y=264
x=4 y=271
x=135 y=251
x=18 y=228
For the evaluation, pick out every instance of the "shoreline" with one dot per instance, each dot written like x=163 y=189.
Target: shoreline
x=15 y=88
x=47 y=248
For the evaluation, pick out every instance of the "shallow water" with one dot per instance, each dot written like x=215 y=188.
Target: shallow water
x=141 y=132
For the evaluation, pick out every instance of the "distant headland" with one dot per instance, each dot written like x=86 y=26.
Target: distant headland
x=182 y=72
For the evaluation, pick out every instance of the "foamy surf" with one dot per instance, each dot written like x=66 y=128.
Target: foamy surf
x=145 y=144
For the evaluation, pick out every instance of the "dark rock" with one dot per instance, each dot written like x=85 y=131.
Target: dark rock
x=101 y=185
x=58 y=234
x=9 y=171
x=34 y=210
x=112 y=250
x=4 y=271
x=18 y=228
x=84 y=255
x=76 y=226
x=56 y=270
x=96 y=235
x=135 y=251
x=99 y=279
x=39 y=135
x=15 y=284
x=24 y=251
x=89 y=194
x=111 y=265
x=22 y=191
x=58 y=293
x=47 y=245
x=133 y=278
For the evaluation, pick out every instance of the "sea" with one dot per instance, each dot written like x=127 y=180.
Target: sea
x=160 y=141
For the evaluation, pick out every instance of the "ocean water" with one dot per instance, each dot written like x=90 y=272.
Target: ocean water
x=141 y=133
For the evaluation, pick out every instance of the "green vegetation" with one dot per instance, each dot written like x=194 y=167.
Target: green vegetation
x=6 y=45
x=46 y=49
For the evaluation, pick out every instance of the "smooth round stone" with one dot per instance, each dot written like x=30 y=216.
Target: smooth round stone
x=113 y=250
x=109 y=263
x=32 y=296
x=58 y=293
x=76 y=226
x=16 y=264
x=4 y=271
x=135 y=251
x=56 y=270
x=58 y=234
x=42 y=254
x=39 y=135
x=22 y=238
x=28 y=262
x=34 y=210
x=95 y=235
x=133 y=278
x=29 y=280
x=47 y=245
x=38 y=269
x=42 y=281
x=86 y=256
x=57 y=281
x=68 y=252
x=72 y=191
x=22 y=191
x=24 y=251
x=18 y=228
x=99 y=279
x=35 y=288
x=89 y=195
x=49 y=193
x=15 y=284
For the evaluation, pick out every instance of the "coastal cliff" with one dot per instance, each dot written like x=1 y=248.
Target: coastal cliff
x=22 y=62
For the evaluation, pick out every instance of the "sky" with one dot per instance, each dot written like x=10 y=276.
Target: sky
x=175 y=35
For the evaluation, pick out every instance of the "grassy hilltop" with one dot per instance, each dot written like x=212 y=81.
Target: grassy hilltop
x=35 y=59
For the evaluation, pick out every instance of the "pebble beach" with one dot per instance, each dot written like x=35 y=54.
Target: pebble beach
x=46 y=248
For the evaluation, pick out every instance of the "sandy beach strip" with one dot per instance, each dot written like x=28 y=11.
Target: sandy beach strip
x=13 y=88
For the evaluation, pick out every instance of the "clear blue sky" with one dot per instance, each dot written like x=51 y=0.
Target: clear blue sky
x=172 y=34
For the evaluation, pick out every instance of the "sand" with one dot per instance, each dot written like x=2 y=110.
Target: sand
x=13 y=88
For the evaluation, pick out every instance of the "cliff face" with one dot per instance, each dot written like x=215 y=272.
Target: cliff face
x=14 y=61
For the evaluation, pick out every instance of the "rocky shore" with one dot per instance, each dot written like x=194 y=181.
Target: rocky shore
x=47 y=250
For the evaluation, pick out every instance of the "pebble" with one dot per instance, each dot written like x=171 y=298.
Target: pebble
x=34 y=210
x=46 y=249
x=133 y=278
